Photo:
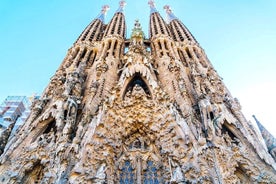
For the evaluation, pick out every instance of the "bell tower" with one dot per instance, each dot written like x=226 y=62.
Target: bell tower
x=143 y=109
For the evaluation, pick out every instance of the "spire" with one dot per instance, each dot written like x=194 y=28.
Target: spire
x=122 y=5
x=152 y=6
x=179 y=31
x=117 y=23
x=101 y=16
x=269 y=139
x=170 y=15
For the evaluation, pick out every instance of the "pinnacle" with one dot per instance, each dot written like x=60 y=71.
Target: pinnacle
x=104 y=10
x=122 y=5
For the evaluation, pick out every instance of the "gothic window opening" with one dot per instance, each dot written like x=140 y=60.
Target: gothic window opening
x=140 y=164
x=109 y=45
x=127 y=174
x=65 y=114
x=137 y=80
x=226 y=130
x=159 y=44
x=188 y=52
x=166 y=45
x=51 y=126
x=91 y=58
x=150 y=174
x=89 y=55
x=83 y=53
x=115 y=47
x=182 y=57
x=212 y=116
x=76 y=53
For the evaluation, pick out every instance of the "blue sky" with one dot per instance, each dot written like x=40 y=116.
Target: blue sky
x=239 y=38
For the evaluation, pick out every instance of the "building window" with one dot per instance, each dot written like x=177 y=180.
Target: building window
x=127 y=174
x=150 y=175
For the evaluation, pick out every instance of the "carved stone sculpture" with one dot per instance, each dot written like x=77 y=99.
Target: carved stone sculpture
x=137 y=110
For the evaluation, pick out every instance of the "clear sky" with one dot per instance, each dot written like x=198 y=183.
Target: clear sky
x=239 y=38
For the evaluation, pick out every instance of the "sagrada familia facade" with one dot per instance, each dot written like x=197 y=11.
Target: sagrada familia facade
x=137 y=111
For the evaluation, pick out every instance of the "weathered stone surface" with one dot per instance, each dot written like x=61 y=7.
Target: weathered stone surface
x=158 y=116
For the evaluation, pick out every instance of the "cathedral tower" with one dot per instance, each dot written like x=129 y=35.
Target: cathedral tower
x=137 y=110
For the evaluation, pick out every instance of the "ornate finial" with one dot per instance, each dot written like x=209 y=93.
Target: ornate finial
x=152 y=6
x=122 y=5
x=137 y=24
x=168 y=9
x=137 y=32
x=170 y=15
x=151 y=3
x=105 y=8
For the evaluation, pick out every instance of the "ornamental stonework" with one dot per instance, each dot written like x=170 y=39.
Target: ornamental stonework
x=136 y=110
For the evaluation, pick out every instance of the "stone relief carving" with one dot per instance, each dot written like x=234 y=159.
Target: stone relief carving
x=138 y=135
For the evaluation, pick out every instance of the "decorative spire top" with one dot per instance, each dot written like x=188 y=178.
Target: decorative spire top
x=137 y=32
x=122 y=5
x=170 y=15
x=101 y=16
x=152 y=6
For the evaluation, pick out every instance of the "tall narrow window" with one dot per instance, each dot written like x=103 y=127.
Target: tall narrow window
x=76 y=53
x=182 y=57
x=150 y=175
x=127 y=174
x=83 y=53
x=114 y=48
x=188 y=52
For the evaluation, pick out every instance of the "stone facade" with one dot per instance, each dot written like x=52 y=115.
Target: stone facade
x=139 y=111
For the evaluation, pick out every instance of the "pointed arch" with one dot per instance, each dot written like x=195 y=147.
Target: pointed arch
x=136 y=79
x=231 y=131
x=150 y=174
x=127 y=173
x=140 y=162
x=44 y=127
